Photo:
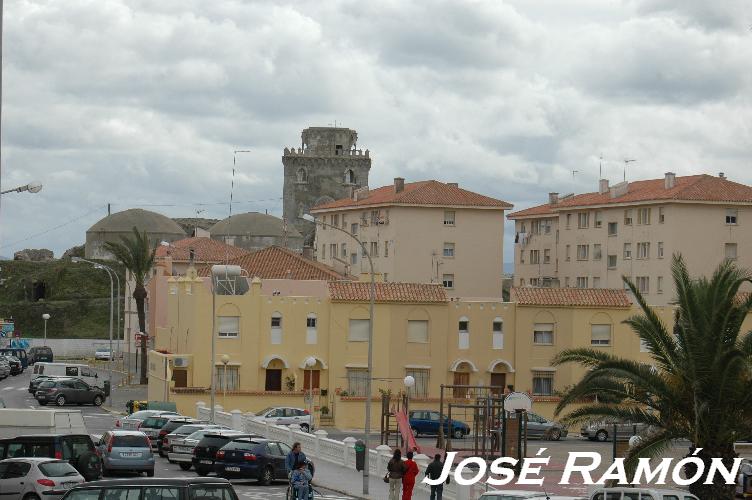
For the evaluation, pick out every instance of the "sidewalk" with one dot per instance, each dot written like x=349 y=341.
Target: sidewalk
x=350 y=482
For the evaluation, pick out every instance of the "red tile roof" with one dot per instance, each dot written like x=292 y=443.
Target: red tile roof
x=205 y=250
x=571 y=297
x=546 y=209
x=699 y=188
x=359 y=291
x=432 y=193
x=281 y=263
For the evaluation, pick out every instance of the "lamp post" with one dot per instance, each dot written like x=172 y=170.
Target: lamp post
x=110 y=272
x=409 y=384
x=225 y=359
x=369 y=369
x=45 y=317
x=32 y=187
x=310 y=362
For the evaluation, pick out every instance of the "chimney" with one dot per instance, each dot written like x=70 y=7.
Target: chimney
x=399 y=184
x=603 y=186
x=191 y=255
x=553 y=198
x=453 y=184
x=721 y=175
x=670 y=180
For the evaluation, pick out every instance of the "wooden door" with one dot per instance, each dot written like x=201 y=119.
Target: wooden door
x=461 y=378
x=180 y=377
x=307 y=379
x=273 y=380
x=498 y=382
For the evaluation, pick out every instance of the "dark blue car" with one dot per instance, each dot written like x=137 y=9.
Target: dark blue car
x=427 y=422
x=252 y=458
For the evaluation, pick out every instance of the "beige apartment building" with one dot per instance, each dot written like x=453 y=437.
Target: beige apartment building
x=419 y=232
x=632 y=229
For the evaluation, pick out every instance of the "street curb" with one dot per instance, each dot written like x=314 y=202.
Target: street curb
x=335 y=490
x=113 y=411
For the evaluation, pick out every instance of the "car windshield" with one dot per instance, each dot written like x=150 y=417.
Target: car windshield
x=142 y=415
x=212 y=492
x=130 y=441
x=264 y=411
x=187 y=429
x=154 y=422
x=47 y=384
x=198 y=435
x=57 y=469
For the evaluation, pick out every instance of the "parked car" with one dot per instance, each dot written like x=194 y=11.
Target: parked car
x=77 y=449
x=252 y=458
x=64 y=391
x=103 y=353
x=40 y=353
x=182 y=432
x=14 y=364
x=541 y=427
x=184 y=488
x=17 y=352
x=151 y=427
x=77 y=370
x=126 y=451
x=33 y=478
x=135 y=419
x=4 y=368
x=285 y=416
x=523 y=495
x=641 y=494
x=34 y=383
x=173 y=422
x=205 y=451
x=182 y=451
x=427 y=422
x=602 y=431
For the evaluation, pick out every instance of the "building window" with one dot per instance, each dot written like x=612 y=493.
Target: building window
x=354 y=228
x=448 y=280
x=643 y=284
x=643 y=216
x=349 y=176
x=353 y=258
x=612 y=228
x=547 y=256
x=374 y=249
x=323 y=251
x=333 y=250
x=534 y=256
x=598 y=219
x=659 y=285
x=363 y=247
x=343 y=246
x=386 y=277
x=600 y=334
x=276 y=328
x=229 y=326
x=522 y=256
x=302 y=176
x=643 y=250
x=582 y=281
x=543 y=333
x=344 y=222
x=627 y=251
x=417 y=331
x=449 y=217
x=583 y=220
x=628 y=217
x=311 y=331
x=386 y=248
x=335 y=220
x=566 y=282
x=535 y=227
x=311 y=379
x=660 y=249
x=449 y=250
x=229 y=374
x=547 y=226
x=569 y=221
x=730 y=251
x=596 y=282
x=543 y=383
x=566 y=253
x=497 y=334
x=357 y=381
x=583 y=252
x=661 y=215
x=612 y=261
x=358 y=330
x=420 y=389
x=731 y=214
x=273 y=380
x=463 y=341
x=597 y=253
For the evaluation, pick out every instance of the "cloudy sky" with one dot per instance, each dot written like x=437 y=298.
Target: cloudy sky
x=142 y=102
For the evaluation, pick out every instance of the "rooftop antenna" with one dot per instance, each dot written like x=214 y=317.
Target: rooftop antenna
x=626 y=161
x=574 y=172
x=600 y=167
x=232 y=189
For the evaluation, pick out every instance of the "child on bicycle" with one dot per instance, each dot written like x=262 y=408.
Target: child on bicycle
x=300 y=480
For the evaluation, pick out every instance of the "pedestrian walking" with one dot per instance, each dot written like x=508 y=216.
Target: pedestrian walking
x=408 y=478
x=395 y=470
x=433 y=471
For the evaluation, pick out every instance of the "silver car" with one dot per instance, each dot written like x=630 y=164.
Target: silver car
x=182 y=449
x=126 y=451
x=133 y=421
x=37 y=478
x=604 y=431
x=4 y=368
x=180 y=434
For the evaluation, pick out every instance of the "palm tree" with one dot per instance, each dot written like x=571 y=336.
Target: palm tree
x=697 y=386
x=137 y=256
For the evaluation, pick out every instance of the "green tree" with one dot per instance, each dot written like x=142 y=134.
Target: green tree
x=137 y=256
x=697 y=385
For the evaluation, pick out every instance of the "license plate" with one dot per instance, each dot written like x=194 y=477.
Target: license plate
x=130 y=455
x=232 y=469
x=182 y=449
x=68 y=485
x=209 y=462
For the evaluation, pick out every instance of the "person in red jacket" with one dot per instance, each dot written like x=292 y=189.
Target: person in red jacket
x=408 y=478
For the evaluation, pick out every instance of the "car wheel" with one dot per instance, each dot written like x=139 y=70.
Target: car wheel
x=97 y=400
x=555 y=434
x=185 y=466
x=601 y=436
x=30 y=496
x=267 y=476
x=150 y=473
x=202 y=471
x=304 y=427
x=414 y=431
x=60 y=400
x=457 y=433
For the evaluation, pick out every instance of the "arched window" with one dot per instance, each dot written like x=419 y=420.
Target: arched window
x=463 y=328
x=276 y=328
x=311 y=329
x=349 y=176
x=497 y=334
x=302 y=175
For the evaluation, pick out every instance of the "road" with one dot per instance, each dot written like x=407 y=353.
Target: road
x=14 y=391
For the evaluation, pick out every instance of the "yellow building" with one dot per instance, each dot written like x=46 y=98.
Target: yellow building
x=266 y=334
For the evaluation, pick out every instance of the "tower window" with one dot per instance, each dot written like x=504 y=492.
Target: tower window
x=338 y=149
x=349 y=176
x=302 y=176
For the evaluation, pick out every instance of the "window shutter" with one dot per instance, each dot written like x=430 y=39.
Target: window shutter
x=417 y=331
x=358 y=330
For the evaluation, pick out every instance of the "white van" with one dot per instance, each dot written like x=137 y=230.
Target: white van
x=84 y=372
x=641 y=494
x=15 y=422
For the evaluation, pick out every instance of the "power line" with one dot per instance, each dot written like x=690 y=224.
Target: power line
x=198 y=204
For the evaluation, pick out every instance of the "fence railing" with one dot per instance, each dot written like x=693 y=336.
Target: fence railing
x=319 y=446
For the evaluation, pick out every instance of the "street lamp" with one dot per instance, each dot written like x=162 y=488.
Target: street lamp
x=310 y=362
x=369 y=369
x=225 y=359
x=32 y=187
x=110 y=272
x=45 y=317
x=409 y=384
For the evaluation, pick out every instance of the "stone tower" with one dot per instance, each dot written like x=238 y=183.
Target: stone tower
x=327 y=167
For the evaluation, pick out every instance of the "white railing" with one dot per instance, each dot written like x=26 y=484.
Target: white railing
x=319 y=446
